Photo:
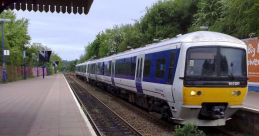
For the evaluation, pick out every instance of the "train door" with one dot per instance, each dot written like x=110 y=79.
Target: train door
x=113 y=72
x=87 y=73
x=173 y=60
x=139 y=73
x=95 y=71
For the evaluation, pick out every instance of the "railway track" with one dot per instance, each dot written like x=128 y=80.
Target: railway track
x=104 y=120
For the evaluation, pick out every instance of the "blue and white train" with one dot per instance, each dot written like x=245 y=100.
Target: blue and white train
x=198 y=78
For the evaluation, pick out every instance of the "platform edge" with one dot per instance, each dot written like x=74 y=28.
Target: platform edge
x=88 y=124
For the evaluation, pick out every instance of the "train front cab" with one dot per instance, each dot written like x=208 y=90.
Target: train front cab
x=214 y=83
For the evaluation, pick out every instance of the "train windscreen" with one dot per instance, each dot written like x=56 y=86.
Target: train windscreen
x=216 y=63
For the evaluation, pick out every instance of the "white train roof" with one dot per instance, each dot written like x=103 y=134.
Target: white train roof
x=199 y=36
x=208 y=36
x=80 y=64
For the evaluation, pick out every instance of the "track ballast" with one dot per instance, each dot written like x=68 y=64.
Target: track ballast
x=103 y=119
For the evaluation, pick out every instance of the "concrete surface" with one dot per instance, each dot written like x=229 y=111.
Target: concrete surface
x=40 y=107
x=252 y=100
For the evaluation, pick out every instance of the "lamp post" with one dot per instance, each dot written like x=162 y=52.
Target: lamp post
x=4 y=73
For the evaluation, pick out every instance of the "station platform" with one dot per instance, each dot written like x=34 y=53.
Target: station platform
x=252 y=101
x=41 y=107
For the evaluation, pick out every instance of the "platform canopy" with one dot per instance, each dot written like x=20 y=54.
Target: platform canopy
x=59 y=6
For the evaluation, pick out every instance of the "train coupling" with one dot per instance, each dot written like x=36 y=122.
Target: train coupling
x=212 y=111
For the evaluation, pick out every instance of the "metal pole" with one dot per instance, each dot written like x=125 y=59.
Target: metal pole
x=4 y=74
x=24 y=64
x=43 y=70
x=37 y=71
x=38 y=66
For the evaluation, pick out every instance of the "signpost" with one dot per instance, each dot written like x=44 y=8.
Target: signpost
x=55 y=65
x=6 y=52
x=44 y=56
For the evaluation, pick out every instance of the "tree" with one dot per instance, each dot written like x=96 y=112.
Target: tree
x=208 y=12
x=166 y=19
x=16 y=37
x=240 y=18
x=54 y=58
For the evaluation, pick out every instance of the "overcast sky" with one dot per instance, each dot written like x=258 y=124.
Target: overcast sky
x=68 y=34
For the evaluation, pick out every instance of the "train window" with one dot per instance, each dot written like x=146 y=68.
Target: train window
x=147 y=67
x=94 y=69
x=107 y=68
x=125 y=68
x=232 y=62
x=201 y=61
x=160 y=68
x=171 y=67
x=133 y=66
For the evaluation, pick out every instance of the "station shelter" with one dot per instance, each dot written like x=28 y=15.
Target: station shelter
x=58 y=6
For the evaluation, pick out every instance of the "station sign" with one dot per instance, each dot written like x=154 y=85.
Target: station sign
x=44 y=56
x=6 y=52
x=253 y=59
x=55 y=63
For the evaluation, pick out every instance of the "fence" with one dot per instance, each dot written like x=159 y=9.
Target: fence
x=15 y=73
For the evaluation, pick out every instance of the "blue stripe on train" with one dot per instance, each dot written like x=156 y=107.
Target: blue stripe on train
x=253 y=88
x=154 y=57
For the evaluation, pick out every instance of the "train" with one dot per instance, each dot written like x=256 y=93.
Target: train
x=198 y=78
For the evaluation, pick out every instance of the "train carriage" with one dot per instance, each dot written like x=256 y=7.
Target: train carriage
x=81 y=70
x=199 y=78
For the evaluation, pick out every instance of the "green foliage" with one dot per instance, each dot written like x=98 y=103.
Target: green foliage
x=188 y=130
x=209 y=11
x=16 y=37
x=240 y=18
x=17 y=40
x=69 y=66
x=165 y=19
x=54 y=57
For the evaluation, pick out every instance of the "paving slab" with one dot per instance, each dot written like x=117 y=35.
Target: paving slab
x=252 y=100
x=41 y=107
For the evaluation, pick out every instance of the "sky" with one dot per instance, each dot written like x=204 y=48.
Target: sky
x=68 y=34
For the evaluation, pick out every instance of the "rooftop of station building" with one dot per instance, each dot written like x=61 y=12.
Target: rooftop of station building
x=59 y=6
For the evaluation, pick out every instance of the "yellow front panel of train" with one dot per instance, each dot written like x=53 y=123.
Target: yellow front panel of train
x=199 y=95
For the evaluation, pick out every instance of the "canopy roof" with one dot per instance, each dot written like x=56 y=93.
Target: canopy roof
x=63 y=6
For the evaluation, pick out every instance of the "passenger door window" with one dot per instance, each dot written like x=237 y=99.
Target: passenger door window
x=171 y=67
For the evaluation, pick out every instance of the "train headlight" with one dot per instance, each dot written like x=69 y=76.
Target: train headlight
x=236 y=93
x=196 y=93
